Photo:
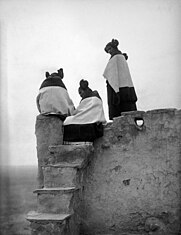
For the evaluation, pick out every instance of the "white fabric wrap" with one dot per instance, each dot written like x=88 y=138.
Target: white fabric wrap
x=117 y=73
x=90 y=110
x=55 y=99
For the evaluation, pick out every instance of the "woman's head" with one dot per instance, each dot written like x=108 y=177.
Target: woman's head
x=60 y=74
x=112 y=46
x=112 y=49
x=84 y=89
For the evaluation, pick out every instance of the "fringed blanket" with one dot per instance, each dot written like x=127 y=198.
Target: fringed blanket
x=117 y=73
x=90 y=110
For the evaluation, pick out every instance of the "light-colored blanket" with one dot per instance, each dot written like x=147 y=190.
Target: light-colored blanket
x=90 y=110
x=117 y=73
x=54 y=100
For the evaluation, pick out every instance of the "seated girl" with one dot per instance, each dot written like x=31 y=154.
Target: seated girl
x=53 y=98
x=86 y=123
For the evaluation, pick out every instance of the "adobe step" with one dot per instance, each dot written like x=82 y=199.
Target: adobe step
x=58 y=200
x=52 y=224
x=37 y=216
x=63 y=175
x=76 y=154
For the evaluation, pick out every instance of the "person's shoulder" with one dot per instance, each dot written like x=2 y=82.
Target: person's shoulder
x=119 y=57
x=96 y=94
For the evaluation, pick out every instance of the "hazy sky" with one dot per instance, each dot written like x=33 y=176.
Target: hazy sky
x=45 y=35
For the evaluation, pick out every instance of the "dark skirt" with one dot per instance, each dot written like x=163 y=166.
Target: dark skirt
x=122 y=101
x=83 y=132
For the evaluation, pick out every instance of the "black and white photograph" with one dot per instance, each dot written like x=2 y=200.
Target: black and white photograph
x=90 y=117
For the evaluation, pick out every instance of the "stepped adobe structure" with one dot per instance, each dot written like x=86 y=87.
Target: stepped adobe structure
x=126 y=182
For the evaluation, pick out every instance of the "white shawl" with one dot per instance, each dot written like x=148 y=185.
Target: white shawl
x=54 y=100
x=90 y=110
x=117 y=73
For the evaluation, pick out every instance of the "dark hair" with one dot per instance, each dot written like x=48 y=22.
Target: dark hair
x=84 y=84
x=125 y=56
x=60 y=73
x=54 y=74
x=47 y=74
x=60 y=70
x=114 y=44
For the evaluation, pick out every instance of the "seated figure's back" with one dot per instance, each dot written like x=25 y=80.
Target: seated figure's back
x=86 y=122
x=53 y=97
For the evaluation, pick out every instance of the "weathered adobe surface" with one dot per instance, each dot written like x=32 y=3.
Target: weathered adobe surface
x=48 y=130
x=132 y=181
x=133 y=178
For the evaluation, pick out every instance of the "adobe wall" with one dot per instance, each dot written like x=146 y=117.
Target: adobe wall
x=133 y=179
x=48 y=131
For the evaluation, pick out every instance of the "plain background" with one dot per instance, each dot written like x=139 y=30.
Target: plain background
x=45 y=35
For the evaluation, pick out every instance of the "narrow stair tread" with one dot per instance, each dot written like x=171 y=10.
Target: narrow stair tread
x=66 y=165
x=37 y=216
x=67 y=148
x=57 y=189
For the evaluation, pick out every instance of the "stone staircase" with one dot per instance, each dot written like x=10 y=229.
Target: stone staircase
x=59 y=201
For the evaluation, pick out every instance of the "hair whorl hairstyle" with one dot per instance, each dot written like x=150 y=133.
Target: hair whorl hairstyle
x=47 y=74
x=84 y=84
x=114 y=43
x=60 y=73
x=60 y=70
